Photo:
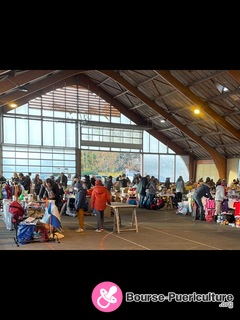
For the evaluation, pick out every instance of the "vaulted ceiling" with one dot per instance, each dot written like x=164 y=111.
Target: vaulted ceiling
x=149 y=96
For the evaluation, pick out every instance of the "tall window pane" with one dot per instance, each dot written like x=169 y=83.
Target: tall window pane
x=36 y=133
x=145 y=142
x=167 y=168
x=9 y=130
x=22 y=131
x=47 y=133
x=59 y=134
x=150 y=165
x=162 y=148
x=153 y=144
x=70 y=135
x=182 y=167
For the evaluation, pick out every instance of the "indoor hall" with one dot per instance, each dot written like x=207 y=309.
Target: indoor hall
x=148 y=114
x=157 y=230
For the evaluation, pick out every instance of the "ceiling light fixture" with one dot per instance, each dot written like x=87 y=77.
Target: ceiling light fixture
x=22 y=89
x=163 y=120
x=12 y=105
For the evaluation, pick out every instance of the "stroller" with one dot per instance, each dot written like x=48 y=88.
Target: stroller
x=17 y=212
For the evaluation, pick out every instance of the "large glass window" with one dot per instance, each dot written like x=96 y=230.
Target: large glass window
x=45 y=136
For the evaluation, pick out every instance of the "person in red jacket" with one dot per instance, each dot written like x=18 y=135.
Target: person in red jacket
x=99 y=200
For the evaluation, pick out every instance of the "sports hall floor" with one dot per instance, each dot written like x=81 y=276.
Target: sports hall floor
x=158 y=230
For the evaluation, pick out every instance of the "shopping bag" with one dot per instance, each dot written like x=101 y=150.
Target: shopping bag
x=25 y=233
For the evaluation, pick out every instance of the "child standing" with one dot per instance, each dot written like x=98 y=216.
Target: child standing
x=80 y=200
x=100 y=198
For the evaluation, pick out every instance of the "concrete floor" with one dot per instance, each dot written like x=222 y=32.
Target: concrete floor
x=158 y=230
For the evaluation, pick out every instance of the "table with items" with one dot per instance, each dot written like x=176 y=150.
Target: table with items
x=167 y=198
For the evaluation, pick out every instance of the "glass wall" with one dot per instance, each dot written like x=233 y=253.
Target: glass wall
x=44 y=136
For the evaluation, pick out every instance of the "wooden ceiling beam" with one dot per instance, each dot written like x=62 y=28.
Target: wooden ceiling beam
x=206 y=108
x=219 y=160
x=235 y=74
x=36 y=89
x=30 y=75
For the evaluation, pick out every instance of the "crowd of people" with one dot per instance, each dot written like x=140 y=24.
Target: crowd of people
x=146 y=189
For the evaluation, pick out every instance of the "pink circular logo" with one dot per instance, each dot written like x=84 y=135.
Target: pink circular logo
x=107 y=296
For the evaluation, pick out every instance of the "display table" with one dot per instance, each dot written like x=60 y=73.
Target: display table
x=117 y=206
x=36 y=208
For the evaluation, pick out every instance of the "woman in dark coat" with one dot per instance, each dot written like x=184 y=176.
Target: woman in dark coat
x=53 y=192
x=37 y=184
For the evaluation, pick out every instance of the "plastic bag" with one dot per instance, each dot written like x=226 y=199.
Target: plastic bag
x=25 y=233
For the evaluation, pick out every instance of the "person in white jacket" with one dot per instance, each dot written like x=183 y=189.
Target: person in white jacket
x=219 y=197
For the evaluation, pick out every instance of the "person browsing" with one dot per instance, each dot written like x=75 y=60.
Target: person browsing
x=203 y=191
